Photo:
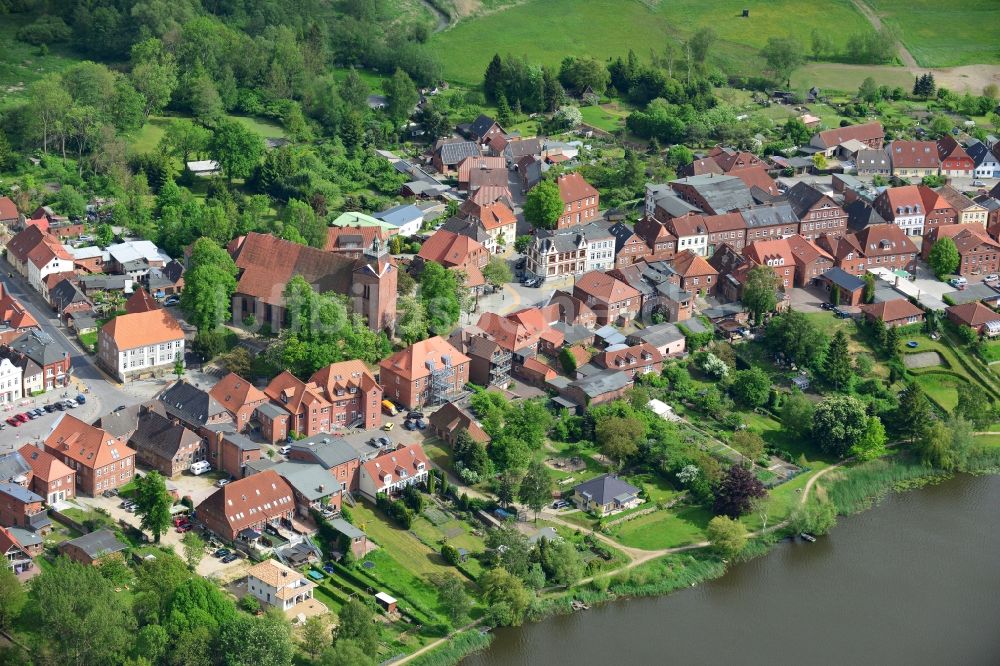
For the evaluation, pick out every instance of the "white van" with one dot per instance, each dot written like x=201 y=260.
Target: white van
x=200 y=467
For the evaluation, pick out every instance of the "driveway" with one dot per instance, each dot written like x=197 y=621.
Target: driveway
x=807 y=299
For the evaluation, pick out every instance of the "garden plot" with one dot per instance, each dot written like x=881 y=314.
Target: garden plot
x=928 y=359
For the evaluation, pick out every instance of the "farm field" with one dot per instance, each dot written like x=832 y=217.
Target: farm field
x=608 y=28
x=921 y=22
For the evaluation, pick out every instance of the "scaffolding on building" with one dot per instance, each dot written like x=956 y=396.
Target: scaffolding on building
x=442 y=380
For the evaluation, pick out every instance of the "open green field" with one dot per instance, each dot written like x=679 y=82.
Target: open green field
x=146 y=139
x=942 y=387
x=848 y=78
x=545 y=31
x=607 y=117
x=664 y=529
x=21 y=63
x=946 y=34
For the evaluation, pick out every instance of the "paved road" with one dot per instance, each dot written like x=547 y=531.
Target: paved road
x=102 y=394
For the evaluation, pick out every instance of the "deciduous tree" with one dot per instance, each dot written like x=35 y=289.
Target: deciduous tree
x=751 y=387
x=839 y=423
x=619 y=437
x=727 y=536
x=505 y=598
x=535 y=490
x=760 y=292
x=736 y=490
x=944 y=257
x=783 y=56
x=872 y=443
x=543 y=205
x=236 y=149
x=356 y=625
x=153 y=503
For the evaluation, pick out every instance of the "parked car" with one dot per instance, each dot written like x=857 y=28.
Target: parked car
x=221 y=482
x=108 y=494
x=31 y=414
x=80 y=399
x=958 y=282
x=186 y=527
x=415 y=415
x=220 y=553
x=328 y=568
x=409 y=424
x=827 y=306
x=23 y=417
x=992 y=277
x=2 y=426
x=978 y=183
x=172 y=300
x=421 y=424
x=388 y=427
x=14 y=422
x=229 y=558
x=50 y=408
x=119 y=408
x=283 y=450
x=181 y=520
x=389 y=408
x=60 y=406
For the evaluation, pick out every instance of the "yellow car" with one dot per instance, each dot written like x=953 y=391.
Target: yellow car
x=388 y=427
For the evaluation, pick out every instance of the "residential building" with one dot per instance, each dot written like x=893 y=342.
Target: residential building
x=231 y=452
x=449 y=153
x=629 y=246
x=278 y=586
x=595 y=389
x=193 y=407
x=311 y=485
x=639 y=359
x=895 y=312
x=771 y=220
x=695 y=273
x=141 y=344
x=914 y=159
x=406 y=218
x=979 y=255
x=954 y=160
x=243 y=508
x=937 y=210
x=140 y=301
x=50 y=478
x=273 y=422
x=777 y=254
x=691 y=232
x=987 y=164
x=493 y=224
x=238 y=397
x=851 y=288
x=305 y=402
x=429 y=372
x=455 y=252
x=35 y=254
x=11 y=378
x=354 y=395
x=580 y=201
x=903 y=207
x=605 y=495
x=612 y=300
x=828 y=141
x=659 y=288
x=811 y=261
x=881 y=245
x=9 y=215
x=977 y=316
x=267 y=263
x=391 y=472
x=135 y=258
x=728 y=228
x=969 y=212
x=665 y=337
x=873 y=163
x=660 y=241
x=451 y=420
x=352 y=241
x=20 y=507
x=45 y=365
x=479 y=163
x=14 y=318
x=485 y=130
x=566 y=252
x=94 y=548
x=164 y=445
x=17 y=555
x=339 y=456
x=101 y=462
x=817 y=212
x=713 y=194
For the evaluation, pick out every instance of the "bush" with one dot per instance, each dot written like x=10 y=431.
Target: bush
x=450 y=554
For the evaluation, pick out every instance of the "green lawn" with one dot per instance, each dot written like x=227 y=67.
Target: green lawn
x=664 y=529
x=21 y=63
x=847 y=78
x=405 y=548
x=925 y=29
x=991 y=351
x=607 y=117
x=146 y=139
x=941 y=387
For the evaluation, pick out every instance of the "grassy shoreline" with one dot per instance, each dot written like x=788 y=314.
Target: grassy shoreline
x=852 y=489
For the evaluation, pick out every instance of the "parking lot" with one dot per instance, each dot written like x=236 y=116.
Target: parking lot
x=32 y=430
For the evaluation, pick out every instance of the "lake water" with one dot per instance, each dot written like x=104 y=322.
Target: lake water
x=914 y=581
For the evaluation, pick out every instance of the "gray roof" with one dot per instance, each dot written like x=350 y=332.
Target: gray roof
x=675 y=206
x=330 y=451
x=310 y=480
x=120 y=423
x=602 y=382
x=24 y=537
x=255 y=466
x=980 y=152
x=722 y=193
x=99 y=543
x=242 y=442
x=861 y=214
x=159 y=436
x=345 y=528
x=872 y=159
x=622 y=233
x=400 y=215
x=658 y=335
x=722 y=311
x=190 y=403
x=843 y=279
x=271 y=410
x=567 y=240
x=454 y=152
x=66 y=293
x=572 y=333
x=610 y=334
x=105 y=282
x=976 y=291
x=802 y=197
x=767 y=215
x=39 y=347
x=20 y=493
x=481 y=125
x=467 y=226
x=13 y=467
x=693 y=325
x=605 y=488
x=515 y=150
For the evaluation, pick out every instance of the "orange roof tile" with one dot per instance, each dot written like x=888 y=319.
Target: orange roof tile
x=86 y=444
x=573 y=187
x=411 y=363
x=44 y=465
x=605 y=287
x=233 y=392
x=689 y=264
x=141 y=329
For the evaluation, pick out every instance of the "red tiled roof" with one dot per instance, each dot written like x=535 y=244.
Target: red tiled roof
x=763 y=251
x=629 y=356
x=932 y=200
x=756 y=177
x=411 y=363
x=724 y=222
x=914 y=155
x=344 y=376
x=406 y=458
x=973 y=314
x=689 y=264
x=251 y=500
x=233 y=392
x=44 y=465
x=573 y=187
x=140 y=301
x=88 y=445
x=449 y=249
x=475 y=162
x=292 y=393
x=900 y=198
x=897 y=308
x=604 y=287
x=351 y=238
x=806 y=251
x=882 y=239
x=496 y=215
x=13 y=313
x=838 y=135
x=507 y=333
x=8 y=210
x=141 y=329
x=689 y=225
x=536 y=366
x=968 y=240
